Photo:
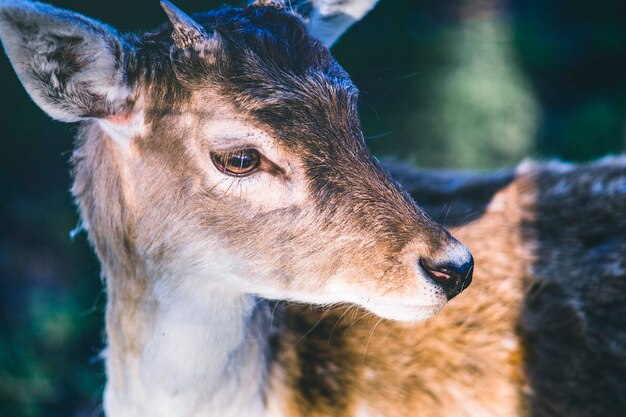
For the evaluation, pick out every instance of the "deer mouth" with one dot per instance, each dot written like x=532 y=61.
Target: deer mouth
x=403 y=311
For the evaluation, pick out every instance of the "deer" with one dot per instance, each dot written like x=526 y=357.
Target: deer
x=258 y=261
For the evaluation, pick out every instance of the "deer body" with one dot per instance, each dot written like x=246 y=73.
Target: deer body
x=223 y=179
x=539 y=333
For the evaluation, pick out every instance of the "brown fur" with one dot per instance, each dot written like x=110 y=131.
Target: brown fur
x=540 y=332
x=464 y=361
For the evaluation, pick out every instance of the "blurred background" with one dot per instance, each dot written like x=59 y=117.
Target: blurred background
x=467 y=84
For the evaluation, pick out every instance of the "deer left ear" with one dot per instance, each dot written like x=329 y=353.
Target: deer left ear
x=73 y=67
x=326 y=20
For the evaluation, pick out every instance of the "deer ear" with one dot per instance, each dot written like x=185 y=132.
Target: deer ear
x=72 y=66
x=327 y=20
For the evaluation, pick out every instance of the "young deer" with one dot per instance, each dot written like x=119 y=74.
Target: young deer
x=220 y=171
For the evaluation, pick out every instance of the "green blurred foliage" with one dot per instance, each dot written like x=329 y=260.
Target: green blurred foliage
x=474 y=84
x=449 y=94
x=574 y=56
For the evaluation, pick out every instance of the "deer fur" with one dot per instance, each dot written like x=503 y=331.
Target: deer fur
x=274 y=295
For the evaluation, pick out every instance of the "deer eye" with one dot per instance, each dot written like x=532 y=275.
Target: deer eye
x=237 y=163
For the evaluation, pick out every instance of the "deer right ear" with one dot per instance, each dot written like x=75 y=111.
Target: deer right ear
x=73 y=67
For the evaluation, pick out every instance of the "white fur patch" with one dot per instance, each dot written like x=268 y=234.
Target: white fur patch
x=123 y=131
x=199 y=359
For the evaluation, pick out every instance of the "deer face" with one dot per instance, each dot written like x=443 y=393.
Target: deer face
x=226 y=151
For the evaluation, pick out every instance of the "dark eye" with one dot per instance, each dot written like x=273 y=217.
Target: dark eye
x=237 y=163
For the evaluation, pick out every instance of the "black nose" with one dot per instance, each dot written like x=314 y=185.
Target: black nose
x=453 y=278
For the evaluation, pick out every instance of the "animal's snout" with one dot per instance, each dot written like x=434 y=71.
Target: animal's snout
x=452 y=275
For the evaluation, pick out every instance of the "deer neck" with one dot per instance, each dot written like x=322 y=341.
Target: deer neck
x=176 y=345
x=175 y=351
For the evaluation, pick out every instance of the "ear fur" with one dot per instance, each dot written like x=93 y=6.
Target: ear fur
x=326 y=20
x=73 y=67
x=329 y=19
x=279 y=4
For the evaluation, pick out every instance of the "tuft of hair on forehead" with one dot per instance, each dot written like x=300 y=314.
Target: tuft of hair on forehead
x=268 y=37
x=260 y=58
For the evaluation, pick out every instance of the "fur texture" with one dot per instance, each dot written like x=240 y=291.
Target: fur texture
x=192 y=257
x=539 y=333
x=318 y=222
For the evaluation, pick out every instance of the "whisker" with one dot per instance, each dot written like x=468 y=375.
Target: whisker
x=349 y=308
x=369 y=339
x=301 y=338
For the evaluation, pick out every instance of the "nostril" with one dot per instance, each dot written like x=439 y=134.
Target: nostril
x=441 y=275
x=453 y=278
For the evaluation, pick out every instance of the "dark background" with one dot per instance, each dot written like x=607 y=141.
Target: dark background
x=445 y=84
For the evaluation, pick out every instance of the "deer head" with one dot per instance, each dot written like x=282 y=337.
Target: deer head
x=225 y=150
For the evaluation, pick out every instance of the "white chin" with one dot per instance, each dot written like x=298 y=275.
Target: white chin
x=404 y=312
